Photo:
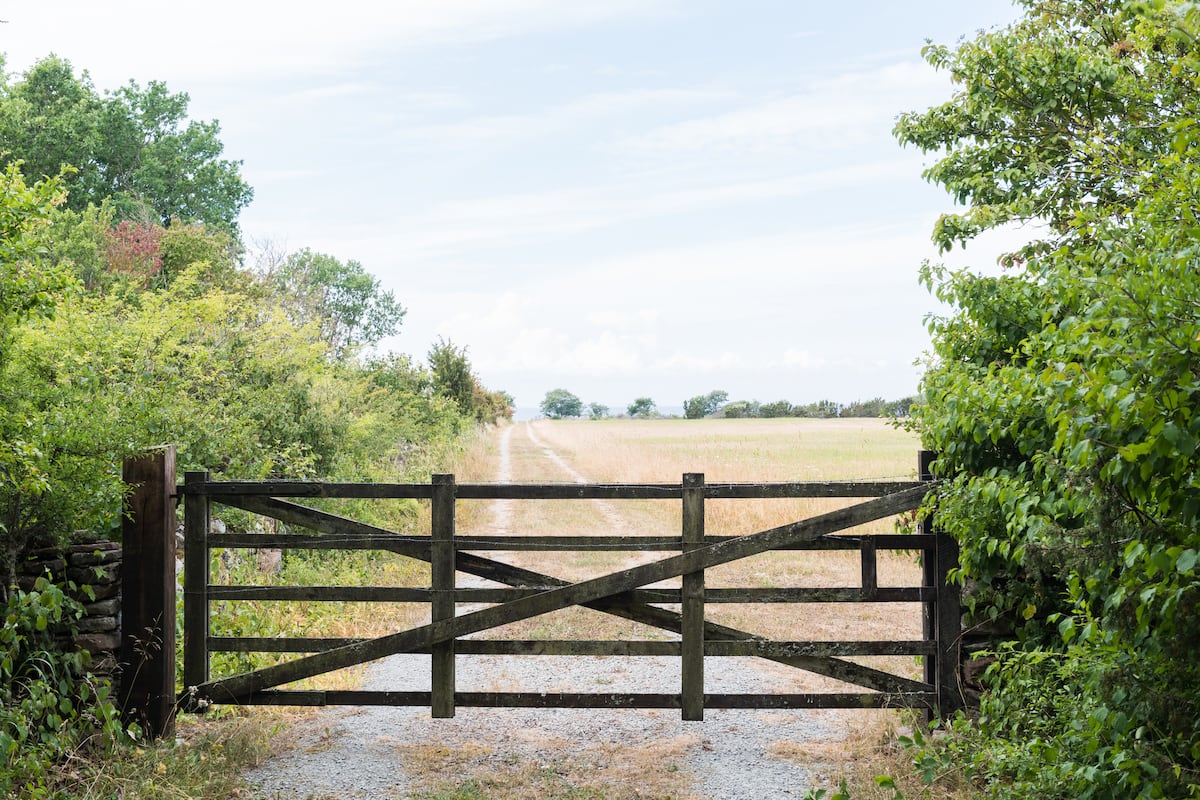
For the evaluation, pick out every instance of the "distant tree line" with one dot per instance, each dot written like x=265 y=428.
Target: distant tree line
x=560 y=404
x=822 y=409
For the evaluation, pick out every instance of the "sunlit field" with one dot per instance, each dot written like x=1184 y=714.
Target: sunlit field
x=740 y=451
x=729 y=450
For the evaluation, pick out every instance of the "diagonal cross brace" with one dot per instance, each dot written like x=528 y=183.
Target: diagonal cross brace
x=582 y=593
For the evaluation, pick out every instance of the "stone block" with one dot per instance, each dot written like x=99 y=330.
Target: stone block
x=92 y=546
x=102 y=591
x=39 y=567
x=93 y=557
x=97 y=624
x=100 y=608
x=99 y=574
x=98 y=642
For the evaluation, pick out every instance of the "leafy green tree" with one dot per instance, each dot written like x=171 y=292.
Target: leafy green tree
x=741 y=409
x=50 y=119
x=780 y=408
x=154 y=158
x=134 y=147
x=705 y=404
x=453 y=378
x=1063 y=395
x=641 y=407
x=346 y=302
x=597 y=410
x=559 y=403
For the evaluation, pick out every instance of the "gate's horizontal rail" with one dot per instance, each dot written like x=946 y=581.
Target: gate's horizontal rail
x=545 y=491
x=576 y=647
x=396 y=594
x=885 y=541
x=590 y=700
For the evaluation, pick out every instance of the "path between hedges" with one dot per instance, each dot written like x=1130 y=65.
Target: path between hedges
x=387 y=752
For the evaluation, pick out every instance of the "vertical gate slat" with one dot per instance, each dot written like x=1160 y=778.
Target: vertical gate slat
x=870 y=569
x=693 y=601
x=929 y=576
x=949 y=628
x=442 y=607
x=195 y=583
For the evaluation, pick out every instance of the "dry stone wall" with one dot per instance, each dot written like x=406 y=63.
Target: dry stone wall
x=95 y=570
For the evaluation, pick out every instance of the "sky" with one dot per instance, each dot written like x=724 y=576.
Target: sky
x=628 y=198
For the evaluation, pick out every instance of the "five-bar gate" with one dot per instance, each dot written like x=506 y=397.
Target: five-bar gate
x=527 y=593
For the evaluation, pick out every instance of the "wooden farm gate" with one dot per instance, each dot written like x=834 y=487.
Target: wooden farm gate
x=529 y=593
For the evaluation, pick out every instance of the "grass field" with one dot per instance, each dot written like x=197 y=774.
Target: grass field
x=743 y=451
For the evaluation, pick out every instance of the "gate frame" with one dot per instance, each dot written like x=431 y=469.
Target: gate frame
x=941 y=609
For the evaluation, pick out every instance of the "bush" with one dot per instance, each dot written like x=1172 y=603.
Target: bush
x=49 y=706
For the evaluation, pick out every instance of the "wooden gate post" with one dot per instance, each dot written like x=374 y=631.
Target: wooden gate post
x=442 y=606
x=943 y=615
x=949 y=628
x=928 y=575
x=692 y=628
x=147 y=683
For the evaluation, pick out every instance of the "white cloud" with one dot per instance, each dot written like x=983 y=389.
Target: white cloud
x=234 y=39
x=837 y=112
x=801 y=359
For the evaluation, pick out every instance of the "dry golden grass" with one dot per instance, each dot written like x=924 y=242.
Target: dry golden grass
x=660 y=451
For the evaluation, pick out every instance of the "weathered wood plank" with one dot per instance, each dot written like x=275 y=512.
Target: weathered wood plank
x=814 y=489
x=948 y=628
x=147 y=688
x=547 y=491
x=760 y=648
x=692 y=595
x=589 y=700
x=929 y=571
x=339 y=594
x=396 y=594
x=870 y=580
x=572 y=594
x=623 y=606
x=387 y=540
x=195 y=583
x=377 y=491
x=442 y=607
x=332 y=541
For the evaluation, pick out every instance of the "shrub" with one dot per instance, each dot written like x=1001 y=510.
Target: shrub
x=49 y=705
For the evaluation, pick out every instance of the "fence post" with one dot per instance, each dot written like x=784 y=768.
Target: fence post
x=928 y=575
x=195 y=582
x=943 y=615
x=147 y=682
x=442 y=607
x=692 y=668
x=949 y=628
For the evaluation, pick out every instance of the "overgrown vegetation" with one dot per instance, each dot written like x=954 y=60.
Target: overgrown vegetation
x=129 y=317
x=1064 y=394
